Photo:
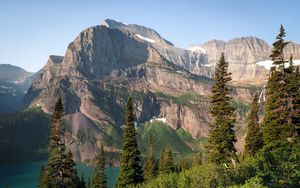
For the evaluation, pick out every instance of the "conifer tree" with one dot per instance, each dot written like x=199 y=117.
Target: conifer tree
x=69 y=171
x=149 y=168
x=60 y=170
x=253 y=140
x=282 y=114
x=166 y=163
x=56 y=147
x=131 y=172
x=221 y=135
x=99 y=178
x=43 y=179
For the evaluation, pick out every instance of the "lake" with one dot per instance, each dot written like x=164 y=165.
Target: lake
x=25 y=175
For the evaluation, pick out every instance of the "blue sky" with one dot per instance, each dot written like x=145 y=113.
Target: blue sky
x=32 y=30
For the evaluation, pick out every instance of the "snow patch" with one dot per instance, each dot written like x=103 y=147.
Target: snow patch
x=197 y=49
x=268 y=63
x=164 y=120
x=145 y=38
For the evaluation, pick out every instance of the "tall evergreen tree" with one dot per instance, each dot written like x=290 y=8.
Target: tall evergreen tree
x=253 y=140
x=43 y=179
x=56 y=147
x=221 y=135
x=278 y=161
x=60 y=171
x=166 y=163
x=131 y=172
x=69 y=172
x=282 y=116
x=149 y=167
x=99 y=178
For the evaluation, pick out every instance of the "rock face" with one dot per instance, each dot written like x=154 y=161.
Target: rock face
x=242 y=54
x=107 y=63
x=14 y=83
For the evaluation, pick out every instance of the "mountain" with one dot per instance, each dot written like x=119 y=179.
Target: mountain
x=14 y=83
x=107 y=63
x=248 y=57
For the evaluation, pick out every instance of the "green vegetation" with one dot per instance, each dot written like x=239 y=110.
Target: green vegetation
x=24 y=136
x=184 y=99
x=99 y=178
x=221 y=138
x=253 y=140
x=150 y=164
x=131 y=172
x=60 y=170
x=166 y=136
x=272 y=151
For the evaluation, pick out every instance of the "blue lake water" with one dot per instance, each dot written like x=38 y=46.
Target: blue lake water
x=25 y=175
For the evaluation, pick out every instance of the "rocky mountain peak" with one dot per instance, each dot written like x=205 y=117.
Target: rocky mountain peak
x=141 y=32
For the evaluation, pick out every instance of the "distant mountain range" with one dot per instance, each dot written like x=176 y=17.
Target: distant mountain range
x=107 y=63
x=14 y=83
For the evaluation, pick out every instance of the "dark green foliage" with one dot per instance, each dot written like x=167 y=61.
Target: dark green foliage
x=60 y=171
x=56 y=147
x=44 y=181
x=221 y=136
x=279 y=165
x=282 y=113
x=131 y=172
x=24 y=136
x=70 y=176
x=167 y=137
x=82 y=183
x=99 y=178
x=278 y=161
x=277 y=50
x=253 y=140
x=149 y=167
x=166 y=163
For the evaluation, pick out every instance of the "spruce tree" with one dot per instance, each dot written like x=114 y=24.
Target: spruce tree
x=99 y=178
x=131 y=172
x=166 y=163
x=221 y=134
x=149 y=167
x=278 y=161
x=60 y=170
x=56 y=147
x=282 y=114
x=69 y=171
x=253 y=140
x=43 y=179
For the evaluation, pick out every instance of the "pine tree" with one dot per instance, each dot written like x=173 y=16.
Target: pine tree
x=43 y=179
x=221 y=135
x=253 y=140
x=166 y=163
x=99 y=178
x=149 y=168
x=69 y=172
x=131 y=172
x=60 y=171
x=278 y=161
x=56 y=147
x=282 y=116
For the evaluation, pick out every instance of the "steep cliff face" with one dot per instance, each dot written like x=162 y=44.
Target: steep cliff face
x=105 y=64
x=243 y=55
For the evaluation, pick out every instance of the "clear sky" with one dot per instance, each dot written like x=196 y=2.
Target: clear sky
x=32 y=30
